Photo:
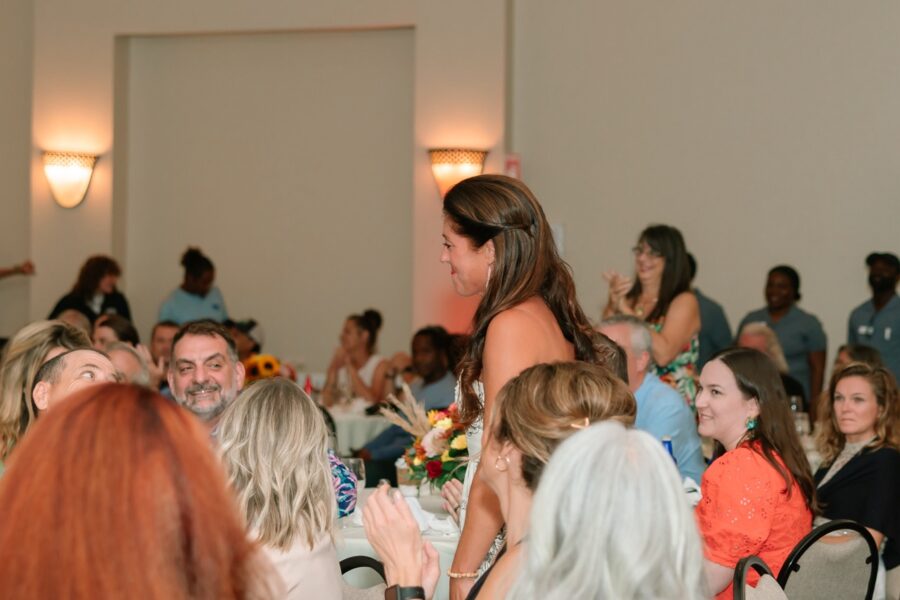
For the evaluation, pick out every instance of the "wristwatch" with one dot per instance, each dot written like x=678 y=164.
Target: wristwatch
x=395 y=592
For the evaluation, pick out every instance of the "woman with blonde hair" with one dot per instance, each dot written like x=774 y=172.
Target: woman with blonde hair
x=533 y=413
x=31 y=347
x=622 y=527
x=860 y=444
x=274 y=444
x=116 y=494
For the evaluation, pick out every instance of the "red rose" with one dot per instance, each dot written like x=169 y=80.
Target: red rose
x=434 y=468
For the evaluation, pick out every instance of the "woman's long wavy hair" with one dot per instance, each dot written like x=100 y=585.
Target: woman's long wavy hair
x=613 y=493
x=503 y=210
x=116 y=493
x=274 y=444
x=22 y=358
x=887 y=426
x=92 y=271
x=668 y=242
x=758 y=378
x=547 y=403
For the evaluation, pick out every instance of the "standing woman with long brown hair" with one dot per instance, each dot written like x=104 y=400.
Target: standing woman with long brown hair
x=498 y=244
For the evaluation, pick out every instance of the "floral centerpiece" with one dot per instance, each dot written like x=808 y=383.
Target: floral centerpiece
x=439 y=452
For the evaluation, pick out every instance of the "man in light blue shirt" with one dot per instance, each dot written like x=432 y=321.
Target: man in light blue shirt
x=661 y=411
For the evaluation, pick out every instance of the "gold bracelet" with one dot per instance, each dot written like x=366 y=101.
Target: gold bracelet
x=455 y=575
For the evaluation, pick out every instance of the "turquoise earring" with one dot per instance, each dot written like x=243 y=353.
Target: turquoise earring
x=751 y=423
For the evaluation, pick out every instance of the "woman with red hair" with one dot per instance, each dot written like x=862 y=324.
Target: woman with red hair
x=117 y=494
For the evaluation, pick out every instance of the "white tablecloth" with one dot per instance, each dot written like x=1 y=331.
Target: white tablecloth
x=351 y=541
x=355 y=431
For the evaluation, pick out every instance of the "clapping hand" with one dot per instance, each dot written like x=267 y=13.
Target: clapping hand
x=619 y=286
x=157 y=369
x=394 y=534
x=338 y=359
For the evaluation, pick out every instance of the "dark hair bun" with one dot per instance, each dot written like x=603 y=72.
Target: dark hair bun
x=195 y=263
x=372 y=318
x=191 y=256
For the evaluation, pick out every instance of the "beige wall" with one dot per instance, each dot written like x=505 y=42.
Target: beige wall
x=458 y=98
x=15 y=135
x=767 y=131
x=297 y=181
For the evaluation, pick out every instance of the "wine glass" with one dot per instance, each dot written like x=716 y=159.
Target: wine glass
x=357 y=466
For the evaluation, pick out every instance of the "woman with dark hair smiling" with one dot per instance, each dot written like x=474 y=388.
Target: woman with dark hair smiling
x=800 y=333
x=94 y=292
x=499 y=247
x=660 y=294
x=758 y=495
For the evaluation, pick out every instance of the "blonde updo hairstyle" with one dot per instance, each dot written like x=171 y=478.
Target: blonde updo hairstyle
x=547 y=403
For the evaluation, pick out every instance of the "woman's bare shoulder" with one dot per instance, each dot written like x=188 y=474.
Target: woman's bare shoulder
x=530 y=327
x=685 y=300
x=528 y=316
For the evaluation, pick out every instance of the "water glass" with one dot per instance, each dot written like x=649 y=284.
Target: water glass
x=357 y=466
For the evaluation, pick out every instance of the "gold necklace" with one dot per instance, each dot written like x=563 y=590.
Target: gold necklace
x=639 y=308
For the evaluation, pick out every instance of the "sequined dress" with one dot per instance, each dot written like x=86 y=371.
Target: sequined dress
x=473 y=441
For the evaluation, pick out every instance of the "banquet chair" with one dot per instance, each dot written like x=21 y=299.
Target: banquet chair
x=356 y=562
x=767 y=587
x=836 y=560
x=375 y=592
x=331 y=426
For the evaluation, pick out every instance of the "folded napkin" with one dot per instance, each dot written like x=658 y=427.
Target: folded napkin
x=424 y=519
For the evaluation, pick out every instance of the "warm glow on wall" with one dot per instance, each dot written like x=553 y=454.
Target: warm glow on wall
x=452 y=165
x=69 y=175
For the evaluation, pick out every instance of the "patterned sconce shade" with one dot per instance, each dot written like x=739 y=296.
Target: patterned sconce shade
x=452 y=165
x=69 y=175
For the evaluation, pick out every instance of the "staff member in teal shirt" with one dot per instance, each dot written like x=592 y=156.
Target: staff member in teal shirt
x=800 y=333
x=876 y=322
x=197 y=298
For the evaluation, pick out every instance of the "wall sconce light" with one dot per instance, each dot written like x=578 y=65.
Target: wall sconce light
x=69 y=175
x=452 y=165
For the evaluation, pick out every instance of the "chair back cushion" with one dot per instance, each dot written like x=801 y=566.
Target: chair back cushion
x=835 y=566
x=767 y=588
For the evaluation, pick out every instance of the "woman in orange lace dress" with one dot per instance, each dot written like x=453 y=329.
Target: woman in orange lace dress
x=758 y=496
